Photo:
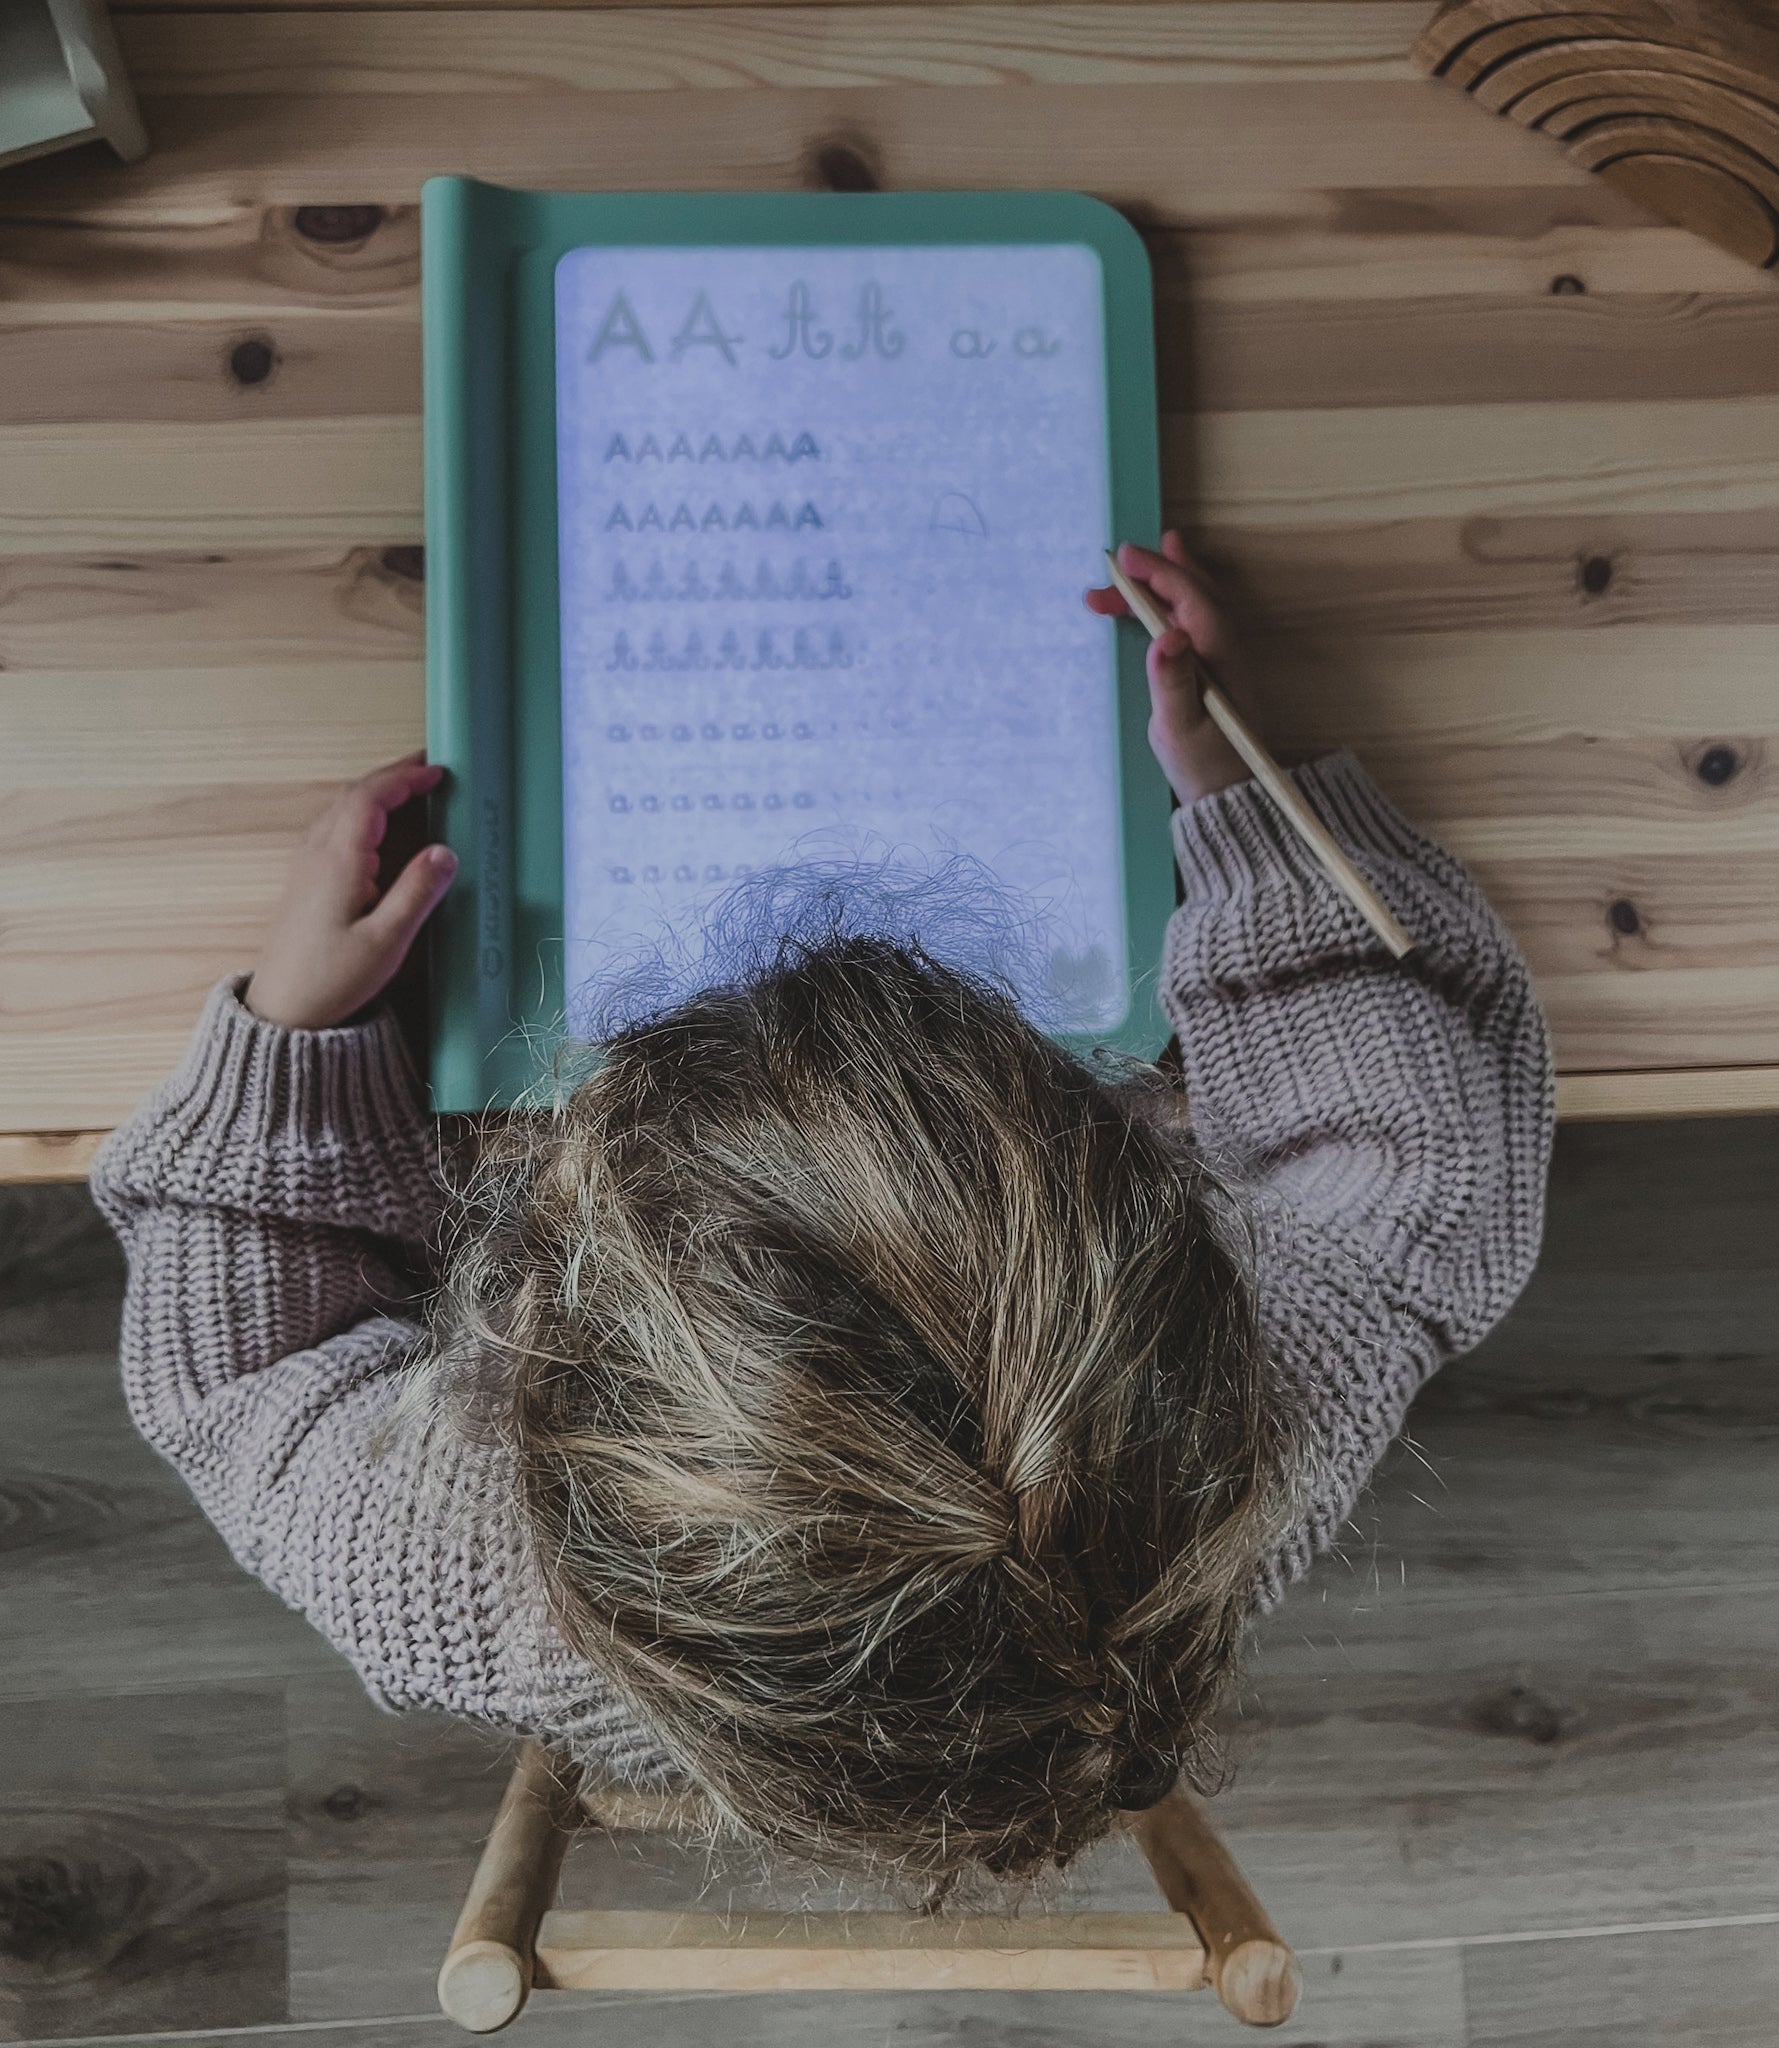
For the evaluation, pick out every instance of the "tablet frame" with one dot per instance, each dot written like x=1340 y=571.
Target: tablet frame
x=493 y=620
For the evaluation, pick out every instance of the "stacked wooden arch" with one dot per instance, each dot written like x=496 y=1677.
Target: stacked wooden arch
x=1674 y=101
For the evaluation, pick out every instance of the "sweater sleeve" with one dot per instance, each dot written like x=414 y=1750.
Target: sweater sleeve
x=279 y=1187
x=1391 y=1121
x=276 y=1199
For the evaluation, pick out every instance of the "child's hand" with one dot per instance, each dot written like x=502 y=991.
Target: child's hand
x=1195 y=757
x=333 y=943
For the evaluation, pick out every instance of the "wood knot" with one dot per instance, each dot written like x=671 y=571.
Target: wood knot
x=1623 y=918
x=1568 y=286
x=844 y=167
x=406 y=561
x=252 y=361
x=337 y=225
x=61 y=1913
x=346 y=1803
x=1716 y=765
x=1595 y=575
x=1518 y=1711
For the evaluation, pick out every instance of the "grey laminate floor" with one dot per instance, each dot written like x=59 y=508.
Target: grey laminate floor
x=1508 y=1769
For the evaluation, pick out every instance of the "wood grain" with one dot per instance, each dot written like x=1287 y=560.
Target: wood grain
x=1493 y=454
x=27 y=1156
x=1665 y=1990
x=141 y=1862
x=1694 y=1091
x=356 y=359
x=80 y=488
x=220 y=609
x=680 y=1952
x=1170 y=152
x=656 y=49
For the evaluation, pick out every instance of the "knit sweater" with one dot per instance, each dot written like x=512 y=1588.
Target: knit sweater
x=278 y=1196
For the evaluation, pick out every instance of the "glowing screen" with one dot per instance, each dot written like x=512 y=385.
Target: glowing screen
x=826 y=515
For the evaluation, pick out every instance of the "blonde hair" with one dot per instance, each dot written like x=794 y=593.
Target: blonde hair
x=892 y=1427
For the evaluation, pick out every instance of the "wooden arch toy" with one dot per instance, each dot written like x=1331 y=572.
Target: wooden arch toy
x=1676 y=102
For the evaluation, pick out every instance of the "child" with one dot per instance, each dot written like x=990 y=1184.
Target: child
x=847 y=1400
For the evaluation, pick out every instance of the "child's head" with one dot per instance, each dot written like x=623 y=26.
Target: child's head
x=892 y=1424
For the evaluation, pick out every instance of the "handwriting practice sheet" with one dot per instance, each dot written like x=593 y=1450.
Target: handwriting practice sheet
x=825 y=518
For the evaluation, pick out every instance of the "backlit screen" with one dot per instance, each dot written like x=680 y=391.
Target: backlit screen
x=826 y=515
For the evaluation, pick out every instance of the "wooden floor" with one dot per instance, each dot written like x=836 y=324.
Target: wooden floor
x=1498 y=454
x=1507 y=1771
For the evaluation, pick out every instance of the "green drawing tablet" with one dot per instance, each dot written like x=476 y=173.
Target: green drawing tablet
x=757 y=528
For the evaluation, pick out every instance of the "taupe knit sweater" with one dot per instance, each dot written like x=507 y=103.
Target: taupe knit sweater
x=277 y=1197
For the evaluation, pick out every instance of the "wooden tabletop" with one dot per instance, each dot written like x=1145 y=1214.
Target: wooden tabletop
x=1497 y=455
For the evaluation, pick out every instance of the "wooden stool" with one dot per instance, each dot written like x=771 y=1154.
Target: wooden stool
x=509 y=1941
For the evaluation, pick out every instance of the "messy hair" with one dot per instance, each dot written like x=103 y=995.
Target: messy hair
x=884 y=1386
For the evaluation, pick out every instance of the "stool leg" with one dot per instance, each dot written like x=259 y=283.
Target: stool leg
x=1250 y=1968
x=486 y=1977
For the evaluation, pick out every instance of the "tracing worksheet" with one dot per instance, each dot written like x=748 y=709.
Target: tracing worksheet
x=826 y=515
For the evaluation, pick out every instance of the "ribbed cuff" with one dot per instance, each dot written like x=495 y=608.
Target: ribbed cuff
x=306 y=1123
x=1234 y=844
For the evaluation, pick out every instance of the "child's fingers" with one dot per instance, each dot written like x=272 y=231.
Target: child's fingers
x=364 y=807
x=1108 y=601
x=1184 y=597
x=1174 y=670
x=412 y=897
x=392 y=786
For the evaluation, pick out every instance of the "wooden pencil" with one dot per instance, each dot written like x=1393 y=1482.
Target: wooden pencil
x=1273 y=779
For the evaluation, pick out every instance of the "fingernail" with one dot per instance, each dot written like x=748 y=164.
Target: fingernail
x=444 y=859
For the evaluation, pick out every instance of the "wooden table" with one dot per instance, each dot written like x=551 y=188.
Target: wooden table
x=1499 y=455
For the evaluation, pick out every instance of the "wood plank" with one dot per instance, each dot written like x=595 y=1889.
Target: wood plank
x=1330 y=354
x=1678 y=1448
x=145 y=1860
x=1658 y=1251
x=267 y=723
x=1173 y=153
x=665 y=49
x=1498 y=243
x=1503 y=1765
x=95 y=489
x=1545 y=685
x=117 y=1580
x=1272 y=355
x=776 y=1952
x=1345 y=244
x=233 y=609
x=242 y=606
x=1647 y=1021
x=240 y=262
x=1695 y=1091
x=1669 y=1989
x=1593 y=569
x=47 y=1155
x=85 y=488
x=304 y=365
x=1367 y=464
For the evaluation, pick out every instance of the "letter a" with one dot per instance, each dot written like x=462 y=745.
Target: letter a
x=704 y=330
x=619 y=451
x=620 y=329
